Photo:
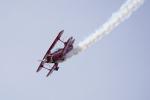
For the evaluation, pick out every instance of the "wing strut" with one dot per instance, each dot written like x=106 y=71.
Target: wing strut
x=52 y=69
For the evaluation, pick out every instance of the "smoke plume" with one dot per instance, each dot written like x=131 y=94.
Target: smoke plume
x=115 y=20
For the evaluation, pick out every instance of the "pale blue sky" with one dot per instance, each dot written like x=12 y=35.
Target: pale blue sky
x=115 y=68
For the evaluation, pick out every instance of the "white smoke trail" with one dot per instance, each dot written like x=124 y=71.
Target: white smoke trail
x=123 y=13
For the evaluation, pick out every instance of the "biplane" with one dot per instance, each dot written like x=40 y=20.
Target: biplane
x=57 y=56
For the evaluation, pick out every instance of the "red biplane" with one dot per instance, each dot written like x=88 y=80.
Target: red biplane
x=57 y=56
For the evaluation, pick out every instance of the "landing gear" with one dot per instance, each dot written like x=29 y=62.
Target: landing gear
x=56 y=68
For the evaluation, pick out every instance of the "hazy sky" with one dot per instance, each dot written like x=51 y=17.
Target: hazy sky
x=115 y=68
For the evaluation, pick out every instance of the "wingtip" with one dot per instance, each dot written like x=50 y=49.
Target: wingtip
x=39 y=68
x=62 y=31
x=48 y=74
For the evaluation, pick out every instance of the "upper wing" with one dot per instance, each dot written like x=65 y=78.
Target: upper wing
x=56 y=40
x=48 y=51
x=53 y=44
